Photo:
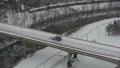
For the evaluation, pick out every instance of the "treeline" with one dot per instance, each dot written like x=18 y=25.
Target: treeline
x=113 y=28
x=9 y=4
x=71 y=25
x=37 y=3
x=16 y=4
x=75 y=19
x=14 y=53
x=73 y=14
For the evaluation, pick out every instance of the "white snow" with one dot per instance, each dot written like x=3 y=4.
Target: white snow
x=93 y=32
x=97 y=32
x=43 y=58
x=66 y=42
x=39 y=58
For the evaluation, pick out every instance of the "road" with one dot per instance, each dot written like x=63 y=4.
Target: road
x=97 y=50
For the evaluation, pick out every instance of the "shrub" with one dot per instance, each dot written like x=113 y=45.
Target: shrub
x=114 y=28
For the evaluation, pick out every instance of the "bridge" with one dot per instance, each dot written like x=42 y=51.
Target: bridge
x=97 y=50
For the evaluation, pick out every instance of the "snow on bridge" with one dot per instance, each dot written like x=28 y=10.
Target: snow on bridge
x=97 y=50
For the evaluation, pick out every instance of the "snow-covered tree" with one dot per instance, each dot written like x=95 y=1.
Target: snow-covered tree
x=113 y=29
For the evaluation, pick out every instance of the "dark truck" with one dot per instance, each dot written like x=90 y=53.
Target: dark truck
x=56 y=38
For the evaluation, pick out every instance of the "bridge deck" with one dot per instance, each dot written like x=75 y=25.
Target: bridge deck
x=97 y=50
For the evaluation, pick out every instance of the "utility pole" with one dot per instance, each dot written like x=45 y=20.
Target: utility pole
x=98 y=34
x=87 y=36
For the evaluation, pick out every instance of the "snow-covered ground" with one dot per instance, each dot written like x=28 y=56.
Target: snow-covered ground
x=46 y=58
x=97 y=32
x=54 y=58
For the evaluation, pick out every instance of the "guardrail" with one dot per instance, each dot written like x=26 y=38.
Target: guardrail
x=67 y=44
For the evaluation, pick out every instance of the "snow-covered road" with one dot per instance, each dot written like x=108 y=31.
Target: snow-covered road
x=87 y=45
x=105 y=52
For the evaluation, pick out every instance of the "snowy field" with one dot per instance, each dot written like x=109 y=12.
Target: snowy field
x=54 y=58
x=97 y=32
